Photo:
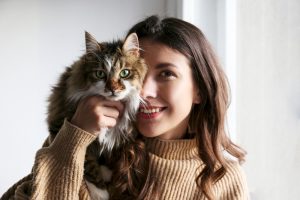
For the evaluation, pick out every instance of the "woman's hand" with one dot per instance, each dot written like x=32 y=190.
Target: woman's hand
x=95 y=113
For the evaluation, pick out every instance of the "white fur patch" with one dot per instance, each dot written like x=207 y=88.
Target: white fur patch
x=107 y=63
x=97 y=193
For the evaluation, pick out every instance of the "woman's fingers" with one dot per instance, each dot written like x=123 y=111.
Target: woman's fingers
x=94 y=113
x=114 y=104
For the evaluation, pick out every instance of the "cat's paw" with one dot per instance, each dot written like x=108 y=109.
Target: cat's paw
x=97 y=193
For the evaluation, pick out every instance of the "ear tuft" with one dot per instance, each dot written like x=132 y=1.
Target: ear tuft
x=91 y=43
x=131 y=44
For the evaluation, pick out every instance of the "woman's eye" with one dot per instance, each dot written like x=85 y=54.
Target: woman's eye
x=167 y=74
x=100 y=74
x=125 y=73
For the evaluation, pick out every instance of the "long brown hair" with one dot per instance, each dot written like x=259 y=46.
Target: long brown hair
x=207 y=118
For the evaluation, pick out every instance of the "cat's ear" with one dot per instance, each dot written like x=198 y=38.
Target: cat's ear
x=91 y=43
x=131 y=44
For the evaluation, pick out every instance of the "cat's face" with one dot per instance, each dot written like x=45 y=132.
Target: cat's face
x=113 y=70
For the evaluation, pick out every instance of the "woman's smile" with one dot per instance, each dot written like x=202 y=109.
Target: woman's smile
x=150 y=112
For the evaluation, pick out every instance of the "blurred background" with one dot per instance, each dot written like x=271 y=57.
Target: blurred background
x=258 y=43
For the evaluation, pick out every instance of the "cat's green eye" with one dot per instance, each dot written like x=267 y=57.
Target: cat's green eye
x=124 y=73
x=100 y=74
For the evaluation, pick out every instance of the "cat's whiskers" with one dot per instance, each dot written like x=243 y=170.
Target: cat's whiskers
x=145 y=105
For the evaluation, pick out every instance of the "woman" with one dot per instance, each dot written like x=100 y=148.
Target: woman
x=180 y=152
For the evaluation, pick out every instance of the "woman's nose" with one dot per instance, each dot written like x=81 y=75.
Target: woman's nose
x=149 y=88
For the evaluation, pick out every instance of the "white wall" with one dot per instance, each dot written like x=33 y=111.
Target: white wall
x=37 y=40
x=268 y=96
x=217 y=20
x=259 y=46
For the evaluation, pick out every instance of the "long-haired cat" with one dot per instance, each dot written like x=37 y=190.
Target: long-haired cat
x=115 y=71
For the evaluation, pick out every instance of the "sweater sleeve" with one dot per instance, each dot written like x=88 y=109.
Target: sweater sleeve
x=58 y=169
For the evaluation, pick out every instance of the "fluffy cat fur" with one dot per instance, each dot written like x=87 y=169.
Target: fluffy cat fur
x=115 y=71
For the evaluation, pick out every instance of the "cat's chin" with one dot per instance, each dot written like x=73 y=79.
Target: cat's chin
x=118 y=97
x=114 y=98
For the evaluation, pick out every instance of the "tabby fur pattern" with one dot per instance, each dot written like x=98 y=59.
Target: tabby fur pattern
x=115 y=71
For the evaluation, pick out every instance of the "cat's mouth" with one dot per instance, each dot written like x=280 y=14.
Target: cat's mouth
x=115 y=96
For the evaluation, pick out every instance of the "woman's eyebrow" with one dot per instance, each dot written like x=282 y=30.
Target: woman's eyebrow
x=164 y=65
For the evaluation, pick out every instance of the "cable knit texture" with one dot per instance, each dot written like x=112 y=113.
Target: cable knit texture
x=58 y=170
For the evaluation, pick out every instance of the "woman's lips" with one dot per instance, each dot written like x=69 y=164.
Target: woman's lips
x=150 y=112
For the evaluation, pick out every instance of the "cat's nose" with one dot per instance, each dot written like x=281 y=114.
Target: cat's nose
x=113 y=87
x=109 y=91
x=149 y=89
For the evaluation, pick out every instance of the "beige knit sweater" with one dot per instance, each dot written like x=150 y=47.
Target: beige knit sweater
x=58 y=170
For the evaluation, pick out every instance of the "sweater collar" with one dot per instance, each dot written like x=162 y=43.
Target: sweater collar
x=181 y=149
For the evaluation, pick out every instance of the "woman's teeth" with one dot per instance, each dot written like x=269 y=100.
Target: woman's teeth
x=149 y=111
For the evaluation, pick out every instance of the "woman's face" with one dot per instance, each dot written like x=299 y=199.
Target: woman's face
x=168 y=90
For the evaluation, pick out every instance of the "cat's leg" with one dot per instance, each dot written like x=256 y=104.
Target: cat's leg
x=97 y=193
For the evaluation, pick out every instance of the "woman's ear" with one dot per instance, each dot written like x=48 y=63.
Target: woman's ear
x=196 y=98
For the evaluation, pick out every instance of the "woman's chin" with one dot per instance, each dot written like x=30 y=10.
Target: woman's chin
x=148 y=134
